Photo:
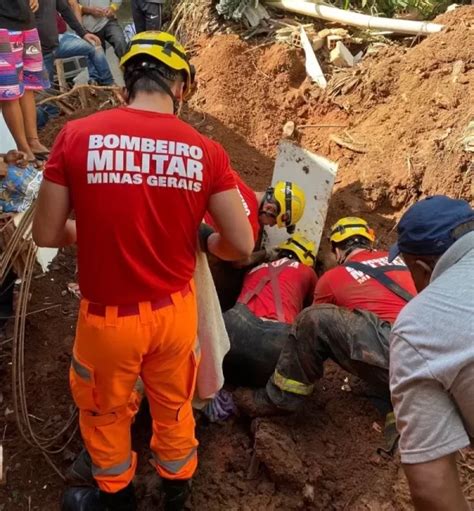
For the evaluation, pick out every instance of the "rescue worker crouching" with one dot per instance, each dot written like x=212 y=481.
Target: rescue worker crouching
x=282 y=205
x=355 y=305
x=272 y=296
x=136 y=265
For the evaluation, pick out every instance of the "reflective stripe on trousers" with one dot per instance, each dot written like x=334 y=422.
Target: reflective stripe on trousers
x=114 y=470
x=174 y=466
x=293 y=386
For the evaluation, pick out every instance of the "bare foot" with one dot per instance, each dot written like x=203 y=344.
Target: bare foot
x=37 y=147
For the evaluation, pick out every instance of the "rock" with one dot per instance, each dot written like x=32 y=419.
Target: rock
x=308 y=493
x=289 y=129
x=459 y=67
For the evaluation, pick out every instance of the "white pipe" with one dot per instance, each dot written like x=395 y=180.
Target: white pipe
x=356 y=19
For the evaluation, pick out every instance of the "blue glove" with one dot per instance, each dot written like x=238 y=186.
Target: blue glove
x=221 y=407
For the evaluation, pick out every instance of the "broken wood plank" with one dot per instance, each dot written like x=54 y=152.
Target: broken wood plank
x=313 y=69
x=353 y=146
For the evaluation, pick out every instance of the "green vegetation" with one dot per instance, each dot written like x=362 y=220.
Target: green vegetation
x=422 y=9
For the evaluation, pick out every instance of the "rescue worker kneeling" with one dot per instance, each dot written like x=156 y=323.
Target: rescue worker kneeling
x=281 y=205
x=355 y=305
x=272 y=296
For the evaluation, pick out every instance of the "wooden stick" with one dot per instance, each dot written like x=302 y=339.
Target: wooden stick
x=76 y=89
x=322 y=126
x=253 y=48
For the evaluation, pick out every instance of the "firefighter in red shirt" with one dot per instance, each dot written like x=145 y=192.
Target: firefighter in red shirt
x=140 y=181
x=281 y=205
x=354 y=307
x=272 y=296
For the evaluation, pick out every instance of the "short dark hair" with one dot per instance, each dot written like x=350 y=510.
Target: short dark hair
x=142 y=74
x=350 y=244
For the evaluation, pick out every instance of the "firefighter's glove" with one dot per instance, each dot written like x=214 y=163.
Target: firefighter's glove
x=204 y=232
x=221 y=407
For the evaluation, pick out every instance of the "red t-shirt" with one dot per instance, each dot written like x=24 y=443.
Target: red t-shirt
x=139 y=183
x=297 y=282
x=352 y=289
x=250 y=203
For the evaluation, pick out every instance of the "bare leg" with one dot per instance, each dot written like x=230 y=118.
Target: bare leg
x=14 y=120
x=28 y=108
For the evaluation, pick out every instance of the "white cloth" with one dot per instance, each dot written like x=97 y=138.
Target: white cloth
x=212 y=334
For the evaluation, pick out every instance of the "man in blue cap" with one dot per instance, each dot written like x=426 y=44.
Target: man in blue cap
x=432 y=350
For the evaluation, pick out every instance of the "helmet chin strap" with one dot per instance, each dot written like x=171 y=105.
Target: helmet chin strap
x=166 y=88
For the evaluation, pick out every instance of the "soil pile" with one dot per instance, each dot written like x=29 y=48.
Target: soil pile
x=407 y=107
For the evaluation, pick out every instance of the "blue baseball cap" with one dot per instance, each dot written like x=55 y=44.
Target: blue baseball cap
x=427 y=227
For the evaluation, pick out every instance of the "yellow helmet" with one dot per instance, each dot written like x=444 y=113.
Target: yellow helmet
x=163 y=47
x=303 y=248
x=291 y=202
x=350 y=226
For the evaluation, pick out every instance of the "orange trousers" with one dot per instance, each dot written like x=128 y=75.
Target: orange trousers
x=109 y=354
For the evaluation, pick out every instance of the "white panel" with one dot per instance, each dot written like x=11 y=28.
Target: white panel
x=6 y=140
x=316 y=175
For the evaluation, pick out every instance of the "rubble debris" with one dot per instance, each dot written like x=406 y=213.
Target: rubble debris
x=341 y=56
x=73 y=288
x=313 y=68
x=253 y=13
x=356 y=19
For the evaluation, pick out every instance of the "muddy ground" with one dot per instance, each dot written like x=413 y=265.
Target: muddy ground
x=408 y=107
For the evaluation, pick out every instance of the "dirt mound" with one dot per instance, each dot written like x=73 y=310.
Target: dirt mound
x=408 y=107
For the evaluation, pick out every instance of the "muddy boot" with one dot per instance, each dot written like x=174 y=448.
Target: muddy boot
x=256 y=403
x=80 y=472
x=81 y=498
x=123 y=500
x=176 y=493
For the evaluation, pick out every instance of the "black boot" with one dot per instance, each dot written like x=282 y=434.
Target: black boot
x=176 y=493
x=80 y=472
x=123 y=500
x=80 y=498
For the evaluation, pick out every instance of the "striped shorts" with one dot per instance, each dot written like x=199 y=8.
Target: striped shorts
x=21 y=64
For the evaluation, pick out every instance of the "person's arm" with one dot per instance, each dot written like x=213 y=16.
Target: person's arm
x=34 y=5
x=93 y=11
x=233 y=239
x=63 y=7
x=71 y=19
x=435 y=486
x=428 y=420
x=76 y=9
x=51 y=225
